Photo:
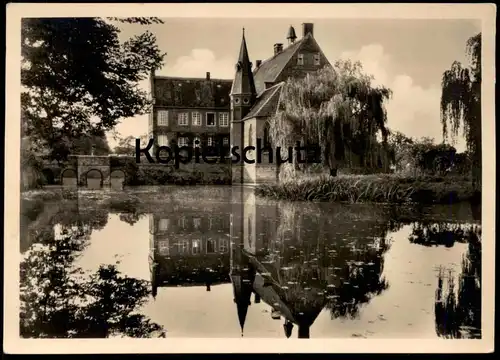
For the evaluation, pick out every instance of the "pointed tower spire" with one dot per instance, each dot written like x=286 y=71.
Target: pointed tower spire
x=291 y=35
x=242 y=277
x=243 y=83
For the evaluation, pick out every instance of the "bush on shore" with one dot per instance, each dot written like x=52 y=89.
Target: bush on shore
x=374 y=188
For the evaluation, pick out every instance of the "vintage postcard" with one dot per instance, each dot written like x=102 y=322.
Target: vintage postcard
x=227 y=178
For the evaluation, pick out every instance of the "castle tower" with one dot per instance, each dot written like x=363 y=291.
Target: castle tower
x=291 y=35
x=242 y=278
x=243 y=95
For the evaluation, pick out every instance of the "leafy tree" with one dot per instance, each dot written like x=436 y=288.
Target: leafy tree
x=58 y=300
x=400 y=149
x=338 y=109
x=126 y=146
x=79 y=79
x=461 y=103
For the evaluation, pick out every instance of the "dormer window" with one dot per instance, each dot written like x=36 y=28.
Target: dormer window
x=316 y=59
x=300 y=59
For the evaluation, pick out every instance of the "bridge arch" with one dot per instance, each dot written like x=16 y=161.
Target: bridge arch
x=117 y=178
x=95 y=176
x=48 y=174
x=69 y=177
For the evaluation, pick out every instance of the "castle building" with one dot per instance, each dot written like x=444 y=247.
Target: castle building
x=234 y=112
x=188 y=249
x=190 y=111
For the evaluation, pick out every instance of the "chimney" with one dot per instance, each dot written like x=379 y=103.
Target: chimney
x=258 y=62
x=307 y=28
x=278 y=48
x=208 y=75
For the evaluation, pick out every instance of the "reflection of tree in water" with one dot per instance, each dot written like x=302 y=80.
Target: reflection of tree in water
x=319 y=261
x=128 y=209
x=440 y=234
x=59 y=301
x=96 y=218
x=458 y=311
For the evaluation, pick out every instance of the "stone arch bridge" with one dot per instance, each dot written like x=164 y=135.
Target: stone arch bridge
x=84 y=167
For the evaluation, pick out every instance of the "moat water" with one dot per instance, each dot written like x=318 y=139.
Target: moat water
x=219 y=262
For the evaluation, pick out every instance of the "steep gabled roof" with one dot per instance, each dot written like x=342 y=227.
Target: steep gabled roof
x=270 y=69
x=266 y=103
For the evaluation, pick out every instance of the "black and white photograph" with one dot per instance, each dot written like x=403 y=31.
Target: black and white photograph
x=245 y=174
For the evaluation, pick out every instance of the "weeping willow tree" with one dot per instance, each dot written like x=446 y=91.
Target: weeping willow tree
x=338 y=109
x=461 y=103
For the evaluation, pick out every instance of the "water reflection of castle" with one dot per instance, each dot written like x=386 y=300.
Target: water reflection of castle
x=189 y=248
x=296 y=263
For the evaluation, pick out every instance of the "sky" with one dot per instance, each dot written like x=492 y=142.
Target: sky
x=408 y=56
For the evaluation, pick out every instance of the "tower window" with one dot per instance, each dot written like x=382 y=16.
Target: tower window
x=300 y=59
x=316 y=59
x=245 y=101
x=162 y=118
x=266 y=135
x=182 y=119
x=196 y=119
x=237 y=100
x=250 y=135
x=210 y=119
x=223 y=119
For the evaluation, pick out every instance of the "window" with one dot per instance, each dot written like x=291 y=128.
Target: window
x=163 y=224
x=196 y=247
x=210 y=141
x=210 y=119
x=223 y=119
x=182 y=119
x=250 y=135
x=162 y=118
x=196 y=141
x=225 y=141
x=162 y=140
x=210 y=246
x=223 y=246
x=163 y=247
x=246 y=101
x=196 y=223
x=182 y=222
x=183 y=247
x=266 y=135
x=300 y=59
x=196 y=119
x=316 y=59
x=182 y=141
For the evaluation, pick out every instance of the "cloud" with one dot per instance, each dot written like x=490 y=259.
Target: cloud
x=196 y=64
x=413 y=110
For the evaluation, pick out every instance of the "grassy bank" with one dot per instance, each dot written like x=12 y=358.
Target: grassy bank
x=374 y=188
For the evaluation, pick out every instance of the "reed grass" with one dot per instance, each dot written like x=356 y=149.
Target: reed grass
x=373 y=188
